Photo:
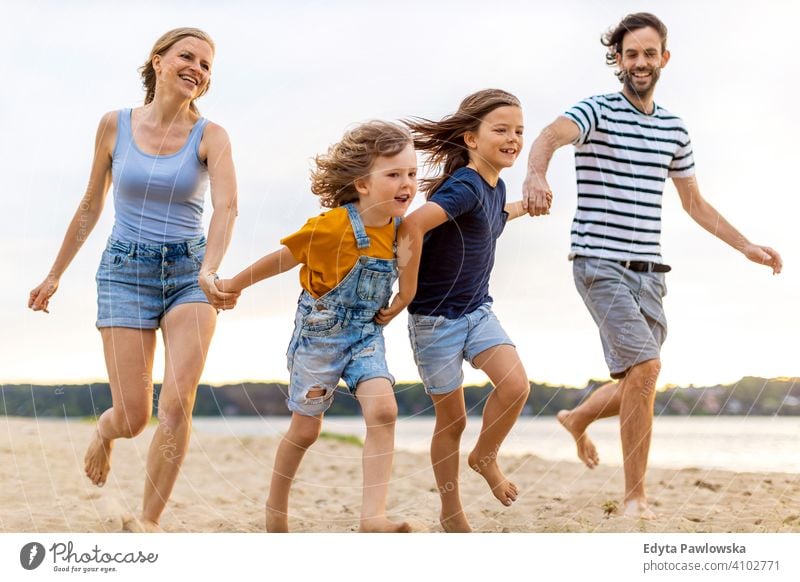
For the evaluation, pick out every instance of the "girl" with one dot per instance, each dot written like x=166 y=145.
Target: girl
x=156 y=270
x=347 y=254
x=450 y=316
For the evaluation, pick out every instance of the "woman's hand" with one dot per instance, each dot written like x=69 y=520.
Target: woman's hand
x=39 y=298
x=217 y=298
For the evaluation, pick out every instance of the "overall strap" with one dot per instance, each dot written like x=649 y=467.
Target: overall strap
x=397 y=221
x=362 y=240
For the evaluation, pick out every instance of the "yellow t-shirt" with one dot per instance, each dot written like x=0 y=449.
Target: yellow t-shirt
x=326 y=247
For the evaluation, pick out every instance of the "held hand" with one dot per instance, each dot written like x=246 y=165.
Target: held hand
x=39 y=297
x=218 y=299
x=764 y=256
x=536 y=195
x=387 y=314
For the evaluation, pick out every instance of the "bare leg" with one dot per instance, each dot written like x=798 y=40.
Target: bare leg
x=303 y=432
x=451 y=420
x=601 y=403
x=380 y=414
x=129 y=359
x=187 y=331
x=503 y=407
x=636 y=425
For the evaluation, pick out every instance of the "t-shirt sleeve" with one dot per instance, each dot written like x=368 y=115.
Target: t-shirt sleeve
x=682 y=164
x=586 y=116
x=456 y=196
x=299 y=242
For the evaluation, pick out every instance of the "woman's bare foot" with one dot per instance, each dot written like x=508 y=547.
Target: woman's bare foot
x=383 y=525
x=487 y=467
x=277 y=521
x=637 y=508
x=140 y=525
x=586 y=449
x=455 y=523
x=97 y=461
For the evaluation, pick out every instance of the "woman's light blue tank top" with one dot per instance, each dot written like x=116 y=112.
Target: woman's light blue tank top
x=157 y=199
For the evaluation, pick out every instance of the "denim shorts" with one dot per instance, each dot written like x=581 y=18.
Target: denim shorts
x=441 y=345
x=138 y=283
x=331 y=342
x=626 y=306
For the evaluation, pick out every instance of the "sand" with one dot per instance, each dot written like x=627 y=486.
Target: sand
x=224 y=482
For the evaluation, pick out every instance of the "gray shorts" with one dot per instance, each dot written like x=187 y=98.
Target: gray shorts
x=626 y=306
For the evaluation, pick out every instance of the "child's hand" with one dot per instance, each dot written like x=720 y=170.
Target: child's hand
x=227 y=286
x=387 y=314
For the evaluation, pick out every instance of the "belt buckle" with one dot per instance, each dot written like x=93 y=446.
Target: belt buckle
x=626 y=264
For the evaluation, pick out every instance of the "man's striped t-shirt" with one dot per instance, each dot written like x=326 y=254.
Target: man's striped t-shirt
x=622 y=160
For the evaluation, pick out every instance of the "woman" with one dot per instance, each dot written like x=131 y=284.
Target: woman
x=157 y=271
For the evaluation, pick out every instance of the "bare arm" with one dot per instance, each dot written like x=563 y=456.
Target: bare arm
x=536 y=193
x=710 y=219
x=215 y=149
x=85 y=217
x=515 y=209
x=409 y=252
x=267 y=266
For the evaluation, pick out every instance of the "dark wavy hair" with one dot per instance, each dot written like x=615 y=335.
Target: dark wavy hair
x=443 y=140
x=612 y=39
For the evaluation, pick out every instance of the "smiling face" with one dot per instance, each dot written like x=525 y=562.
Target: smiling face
x=185 y=67
x=641 y=61
x=391 y=184
x=498 y=140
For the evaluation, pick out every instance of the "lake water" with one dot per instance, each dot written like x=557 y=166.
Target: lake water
x=733 y=443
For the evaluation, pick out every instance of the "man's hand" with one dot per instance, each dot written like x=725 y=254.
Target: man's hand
x=764 y=256
x=536 y=195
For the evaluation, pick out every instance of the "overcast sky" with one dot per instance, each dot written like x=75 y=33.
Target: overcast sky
x=288 y=80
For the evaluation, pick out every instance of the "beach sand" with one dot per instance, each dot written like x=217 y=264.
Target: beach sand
x=224 y=482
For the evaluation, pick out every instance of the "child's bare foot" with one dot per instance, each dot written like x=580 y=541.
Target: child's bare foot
x=487 y=467
x=637 y=508
x=383 y=525
x=586 y=449
x=277 y=521
x=455 y=523
x=139 y=525
x=97 y=461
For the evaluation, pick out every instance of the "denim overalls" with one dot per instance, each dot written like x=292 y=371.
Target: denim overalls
x=335 y=336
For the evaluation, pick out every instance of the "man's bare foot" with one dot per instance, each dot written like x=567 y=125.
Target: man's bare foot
x=586 y=449
x=97 y=461
x=455 y=523
x=383 y=525
x=487 y=467
x=277 y=521
x=134 y=524
x=638 y=509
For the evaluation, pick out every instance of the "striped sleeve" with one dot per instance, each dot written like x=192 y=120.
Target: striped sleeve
x=586 y=116
x=682 y=164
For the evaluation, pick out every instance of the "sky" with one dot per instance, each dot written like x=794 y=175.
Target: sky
x=290 y=78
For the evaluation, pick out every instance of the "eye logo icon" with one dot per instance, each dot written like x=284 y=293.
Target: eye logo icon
x=31 y=555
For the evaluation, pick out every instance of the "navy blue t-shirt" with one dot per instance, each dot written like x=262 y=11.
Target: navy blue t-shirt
x=458 y=256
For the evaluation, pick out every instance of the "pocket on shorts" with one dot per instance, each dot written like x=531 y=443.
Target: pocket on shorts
x=197 y=253
x=113 y=260
x=321 y=323
x=425 y=322
x=374 y=286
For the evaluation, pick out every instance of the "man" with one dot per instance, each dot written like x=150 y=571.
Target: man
x=625 y=148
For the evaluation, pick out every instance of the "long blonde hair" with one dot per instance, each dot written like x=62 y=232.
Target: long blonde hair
x=161 y=46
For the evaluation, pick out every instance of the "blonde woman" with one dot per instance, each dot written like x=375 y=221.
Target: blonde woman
x=157 y=270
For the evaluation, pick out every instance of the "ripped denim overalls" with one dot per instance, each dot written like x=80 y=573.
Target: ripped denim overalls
x=335 y=336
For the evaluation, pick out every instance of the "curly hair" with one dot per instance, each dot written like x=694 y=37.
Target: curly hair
x=444 y=140
x=612 y=39
x=336 y=172
x=161 y=46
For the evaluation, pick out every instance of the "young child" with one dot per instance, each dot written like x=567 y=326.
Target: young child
x=347 y=254
x=445 y=284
